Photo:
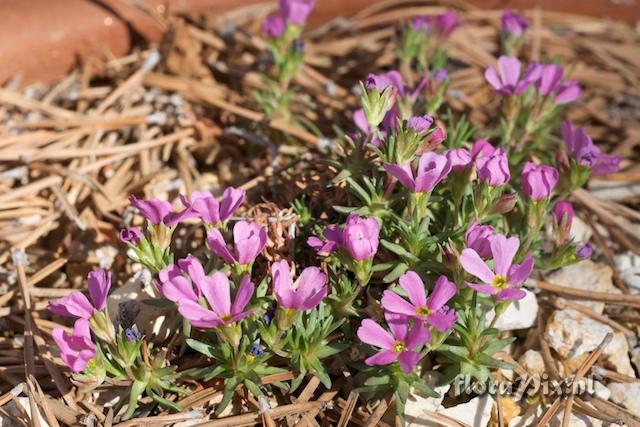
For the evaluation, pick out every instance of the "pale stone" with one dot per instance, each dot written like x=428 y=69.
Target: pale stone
x=532 y=362
x=572 y=334
x=520 y=314
x=417 y=405
x=588 y=276
x=580 y=231
x=575 y=420
x=475 y=413
x=151 y=320
x=627 y=395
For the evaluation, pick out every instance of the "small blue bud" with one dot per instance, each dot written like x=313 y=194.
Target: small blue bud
x=268 y=315
x=132 y=335
x=256 y=349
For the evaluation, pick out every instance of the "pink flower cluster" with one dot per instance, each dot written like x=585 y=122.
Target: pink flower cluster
x=508 y=80
x=201 y=204
x=409 y=321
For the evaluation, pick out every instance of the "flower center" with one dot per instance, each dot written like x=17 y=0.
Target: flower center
x=499 y=282
x=423 y=311
x=226 y=318
x=398 y=346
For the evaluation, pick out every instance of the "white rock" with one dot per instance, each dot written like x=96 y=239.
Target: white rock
x=627 y=395
x=520 y=314
x=576 y=420
x=476 y=413
x=585 y=275
x=601 y=390
x=532 y=362
x=580 y=231
x=571 y=334
x=626 y=260
x=150 y=319
x=417 y=405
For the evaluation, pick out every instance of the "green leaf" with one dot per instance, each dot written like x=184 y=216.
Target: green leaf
x=203 y=348
x=229 y=388
x=135 y=392
x=166 y=402
x=494 y=347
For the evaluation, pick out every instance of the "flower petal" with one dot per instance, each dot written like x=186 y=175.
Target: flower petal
x=372 y=333
x=483 y=288
x=232 y=198
x=443 y=291
x=414 y=287
x=408 y=360
x=473 y=264
x=396 y=304
x=73 y=305
x=384 y=357
x=99 y=282
x=510 y=293
x=217 y=291
x=518 y=273
x=198 y=316
x=418 y=336
x=442 y=319
x=402 y=173
x=503 y=250
x=218 y=246
x=243 y=295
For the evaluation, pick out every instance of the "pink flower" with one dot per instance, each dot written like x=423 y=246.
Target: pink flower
x=205 y=206
x=77 y=349
x=432 y=168
x=153 y=210
x=77 y=305
x=273 y=26
x=581 y=148
x=360 y=121
x=549 y=83
x=131 y=235
x=249 y=240
x=182 y=281
x=420 y=123
x=502 y=282
x=296 y=11
x=460 y=159
x=217 y=292
x=538 y=181
x=512 y=23
x=99 y=283
x=360 y=237
x=507 y=80
x=399 y=345
x=482 y=147
x=443 y=24
x=306 y=293
x=584 y=251
x=478 y=238
x=494 y=168
x=431 y=310
x=333 y=234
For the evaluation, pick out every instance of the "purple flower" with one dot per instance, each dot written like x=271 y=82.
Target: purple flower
x=360 y=237
x=494 y=168
x=432 y=168
x=153 y=210
x=360 y=120
x=273 y=26
x=249 y=240
x=296 y=11
x=333 y=234
x=382 y=81
x=77 y=305
x=503 y=281
x=584 y=251
x=306 y=293
x=399 y=345
x=99 y=283
x=482 y=147
x=132 y=335
x=581 y=148
x=507 y=80
x=513 y=24
x=478 y=238
x=431 y=310
x=568 y=91
x=445 y=23
x=182 y=281
x=131 y=235
x=77 y=349
x=460 y=159
x=421 y=24
x=440 y=75
x=420 y=123
x=538 y=181
x=205 y=206
x=221 y=312
x=549 y=83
